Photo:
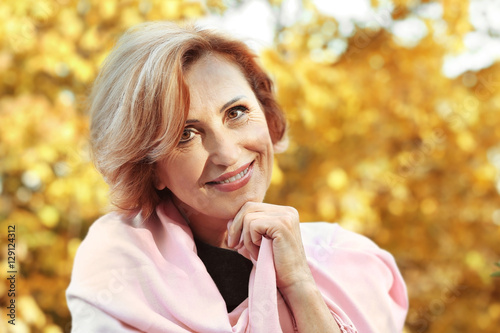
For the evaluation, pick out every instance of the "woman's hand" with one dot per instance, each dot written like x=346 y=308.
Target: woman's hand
x=280 y=224
x=293 y=277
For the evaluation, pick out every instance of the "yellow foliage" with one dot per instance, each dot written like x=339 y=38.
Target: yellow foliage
x=380 y=141
x=277 y=175
x=337 y=179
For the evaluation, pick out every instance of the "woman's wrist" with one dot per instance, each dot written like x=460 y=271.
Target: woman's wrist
x=300 y=290
x=308 y=307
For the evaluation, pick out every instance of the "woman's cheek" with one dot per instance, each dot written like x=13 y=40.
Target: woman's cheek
x=183 y=169
x=257 y=127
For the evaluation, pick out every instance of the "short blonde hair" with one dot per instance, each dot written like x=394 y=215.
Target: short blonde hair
x=140 y=101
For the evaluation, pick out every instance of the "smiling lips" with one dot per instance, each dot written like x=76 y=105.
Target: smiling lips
x=232 y=181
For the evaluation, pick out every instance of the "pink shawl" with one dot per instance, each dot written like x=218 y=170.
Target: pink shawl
x=135 y=276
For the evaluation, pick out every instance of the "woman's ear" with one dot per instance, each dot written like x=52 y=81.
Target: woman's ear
x=157 y=182
x=282 y=145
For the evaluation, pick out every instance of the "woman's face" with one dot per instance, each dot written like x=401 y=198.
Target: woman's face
x=225 y=155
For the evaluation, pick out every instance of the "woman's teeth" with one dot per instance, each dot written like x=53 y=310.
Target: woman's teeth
x=233 y=178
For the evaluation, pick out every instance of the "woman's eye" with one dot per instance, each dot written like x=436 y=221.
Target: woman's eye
x=186 y=135
x=236 y=112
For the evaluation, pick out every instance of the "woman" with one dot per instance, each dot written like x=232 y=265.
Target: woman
x=184 y=128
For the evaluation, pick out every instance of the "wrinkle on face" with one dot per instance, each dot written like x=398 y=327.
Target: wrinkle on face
x=220 y=145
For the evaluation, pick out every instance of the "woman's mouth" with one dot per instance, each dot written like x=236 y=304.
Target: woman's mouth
x=233 y=178
x=232 y=181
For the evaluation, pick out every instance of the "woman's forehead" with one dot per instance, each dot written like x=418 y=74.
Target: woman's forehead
x=210 y=65
x=213 y=73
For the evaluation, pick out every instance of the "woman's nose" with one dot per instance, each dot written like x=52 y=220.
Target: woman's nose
x=224 y=148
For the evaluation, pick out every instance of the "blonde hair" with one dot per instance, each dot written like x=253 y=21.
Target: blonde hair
x=140 y=101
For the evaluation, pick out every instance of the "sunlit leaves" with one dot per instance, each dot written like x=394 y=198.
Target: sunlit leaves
x=496 y=274
x=385 y=144
x=380 y=141
x=50 y=52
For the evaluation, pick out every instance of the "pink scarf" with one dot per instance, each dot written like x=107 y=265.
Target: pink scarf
x=259 y=313
x=132 y=276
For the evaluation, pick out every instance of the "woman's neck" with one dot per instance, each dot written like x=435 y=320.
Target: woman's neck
x=211 y=236
x=209 y=230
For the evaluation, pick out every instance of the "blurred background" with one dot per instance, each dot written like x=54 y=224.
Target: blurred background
x=394 y=125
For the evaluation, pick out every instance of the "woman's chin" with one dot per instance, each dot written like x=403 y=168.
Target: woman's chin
x=216 y=208
x=226 y=214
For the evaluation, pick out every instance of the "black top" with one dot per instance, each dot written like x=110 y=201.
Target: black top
x=229 y=270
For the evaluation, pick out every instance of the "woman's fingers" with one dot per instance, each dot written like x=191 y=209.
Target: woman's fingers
x=235 y=229
x=250 y=245
x=280 y=224
x=255 y=227
x=255 y=220
x=255 y=236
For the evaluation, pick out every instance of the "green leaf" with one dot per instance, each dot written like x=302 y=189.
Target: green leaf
x=497 y=263
x=496 y=274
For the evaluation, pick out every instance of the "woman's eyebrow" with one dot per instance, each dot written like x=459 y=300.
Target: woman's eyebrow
x=234 y=100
